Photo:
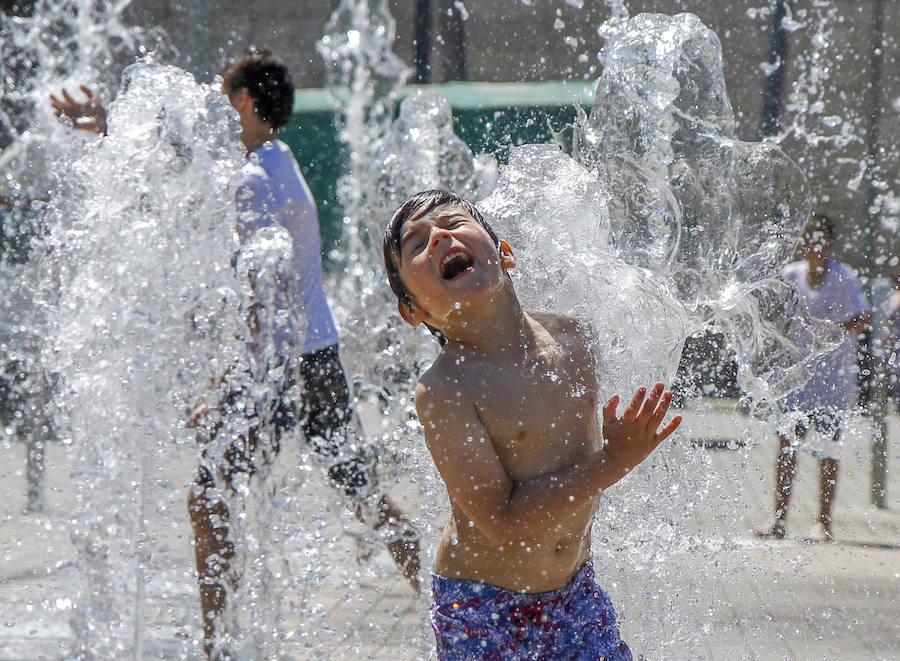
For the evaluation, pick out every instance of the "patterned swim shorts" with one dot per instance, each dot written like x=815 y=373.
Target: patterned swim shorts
x=474 y=620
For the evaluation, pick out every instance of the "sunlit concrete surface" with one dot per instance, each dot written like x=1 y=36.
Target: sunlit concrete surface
x=781 y=600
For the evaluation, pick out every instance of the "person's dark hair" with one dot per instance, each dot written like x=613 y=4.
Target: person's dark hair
x=269 y=84
x=824 y=222
x=418 y=205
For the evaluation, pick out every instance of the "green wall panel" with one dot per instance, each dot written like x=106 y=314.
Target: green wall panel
x=490 y=118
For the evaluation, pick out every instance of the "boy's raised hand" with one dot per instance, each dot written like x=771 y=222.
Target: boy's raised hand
x=634 y=435
x=87 y=115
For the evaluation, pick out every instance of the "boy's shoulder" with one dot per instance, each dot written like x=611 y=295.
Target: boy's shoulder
x=573 y=331
x=442 y=393
x=558 y=321
x=446 y=373
x=844 y=271
x=453 y=371
x=255 y=181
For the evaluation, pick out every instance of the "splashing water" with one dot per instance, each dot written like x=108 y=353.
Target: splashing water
x=559 y=214
x=140 y=308
x=61 y=44
x=656 y=223
x=144 y=316
x=714 y=216
x=363 y=77
x=659 y=223
x=130 y=310
x=422 y=137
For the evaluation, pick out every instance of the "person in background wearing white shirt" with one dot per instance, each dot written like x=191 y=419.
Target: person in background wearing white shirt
x=832 y=293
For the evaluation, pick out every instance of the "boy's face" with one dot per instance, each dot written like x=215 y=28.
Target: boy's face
x=814 y=241
x=447 y=262
x=241 y=101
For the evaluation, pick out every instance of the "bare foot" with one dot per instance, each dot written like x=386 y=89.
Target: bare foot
x=818 y=534
x=771 y=530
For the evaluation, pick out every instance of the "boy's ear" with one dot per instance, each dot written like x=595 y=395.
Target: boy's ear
x=411 y=313
x=507 y=258
x=242 y=100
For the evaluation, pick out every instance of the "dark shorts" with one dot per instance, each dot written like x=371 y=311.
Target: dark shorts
x=796 y=424
x=315 y=395
x=474 y=620
x=826 y=421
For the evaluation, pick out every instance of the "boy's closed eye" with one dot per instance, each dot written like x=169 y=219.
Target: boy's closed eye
x=416 y=239
x=411 y=245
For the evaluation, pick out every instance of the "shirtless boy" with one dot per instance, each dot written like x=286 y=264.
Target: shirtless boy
x=509 y=410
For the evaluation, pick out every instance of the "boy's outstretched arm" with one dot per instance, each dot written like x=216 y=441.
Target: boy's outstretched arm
x=87 y=115
x=505 y=511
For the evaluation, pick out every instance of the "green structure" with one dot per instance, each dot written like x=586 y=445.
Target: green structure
x=490 y=117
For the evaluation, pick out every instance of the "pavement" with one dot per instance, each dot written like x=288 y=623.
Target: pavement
x=714 y=592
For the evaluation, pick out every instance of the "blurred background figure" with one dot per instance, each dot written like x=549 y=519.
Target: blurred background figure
x=834 y=297
x=312 y=391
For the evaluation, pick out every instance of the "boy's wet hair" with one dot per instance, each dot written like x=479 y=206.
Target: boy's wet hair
x=269 y=84
x=416 y=206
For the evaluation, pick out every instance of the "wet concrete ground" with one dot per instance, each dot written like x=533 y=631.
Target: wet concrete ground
x=781 y=600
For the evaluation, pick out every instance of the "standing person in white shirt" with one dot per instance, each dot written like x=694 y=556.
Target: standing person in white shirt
x=832 y=293
x=273 y=193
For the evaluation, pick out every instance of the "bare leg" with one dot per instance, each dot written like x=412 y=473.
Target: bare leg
x=213 y=551
x=785 y=469
x=401 y=539
x=35 y=464
x=828 y=473
x=328 y=420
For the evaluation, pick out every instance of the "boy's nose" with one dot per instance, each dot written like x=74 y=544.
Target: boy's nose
x=437 y=234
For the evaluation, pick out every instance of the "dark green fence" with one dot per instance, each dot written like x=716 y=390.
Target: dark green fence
x=489 y=117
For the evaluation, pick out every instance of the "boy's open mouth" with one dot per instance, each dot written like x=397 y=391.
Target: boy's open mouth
x=454 y=264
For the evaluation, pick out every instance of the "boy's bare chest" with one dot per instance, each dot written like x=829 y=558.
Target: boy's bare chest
x=539 y=419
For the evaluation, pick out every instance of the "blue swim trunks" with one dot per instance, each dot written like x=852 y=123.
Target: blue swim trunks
x=474 y=620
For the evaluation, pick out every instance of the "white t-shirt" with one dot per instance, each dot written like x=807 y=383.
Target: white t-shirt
x=274 y=191
x=837 y=300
